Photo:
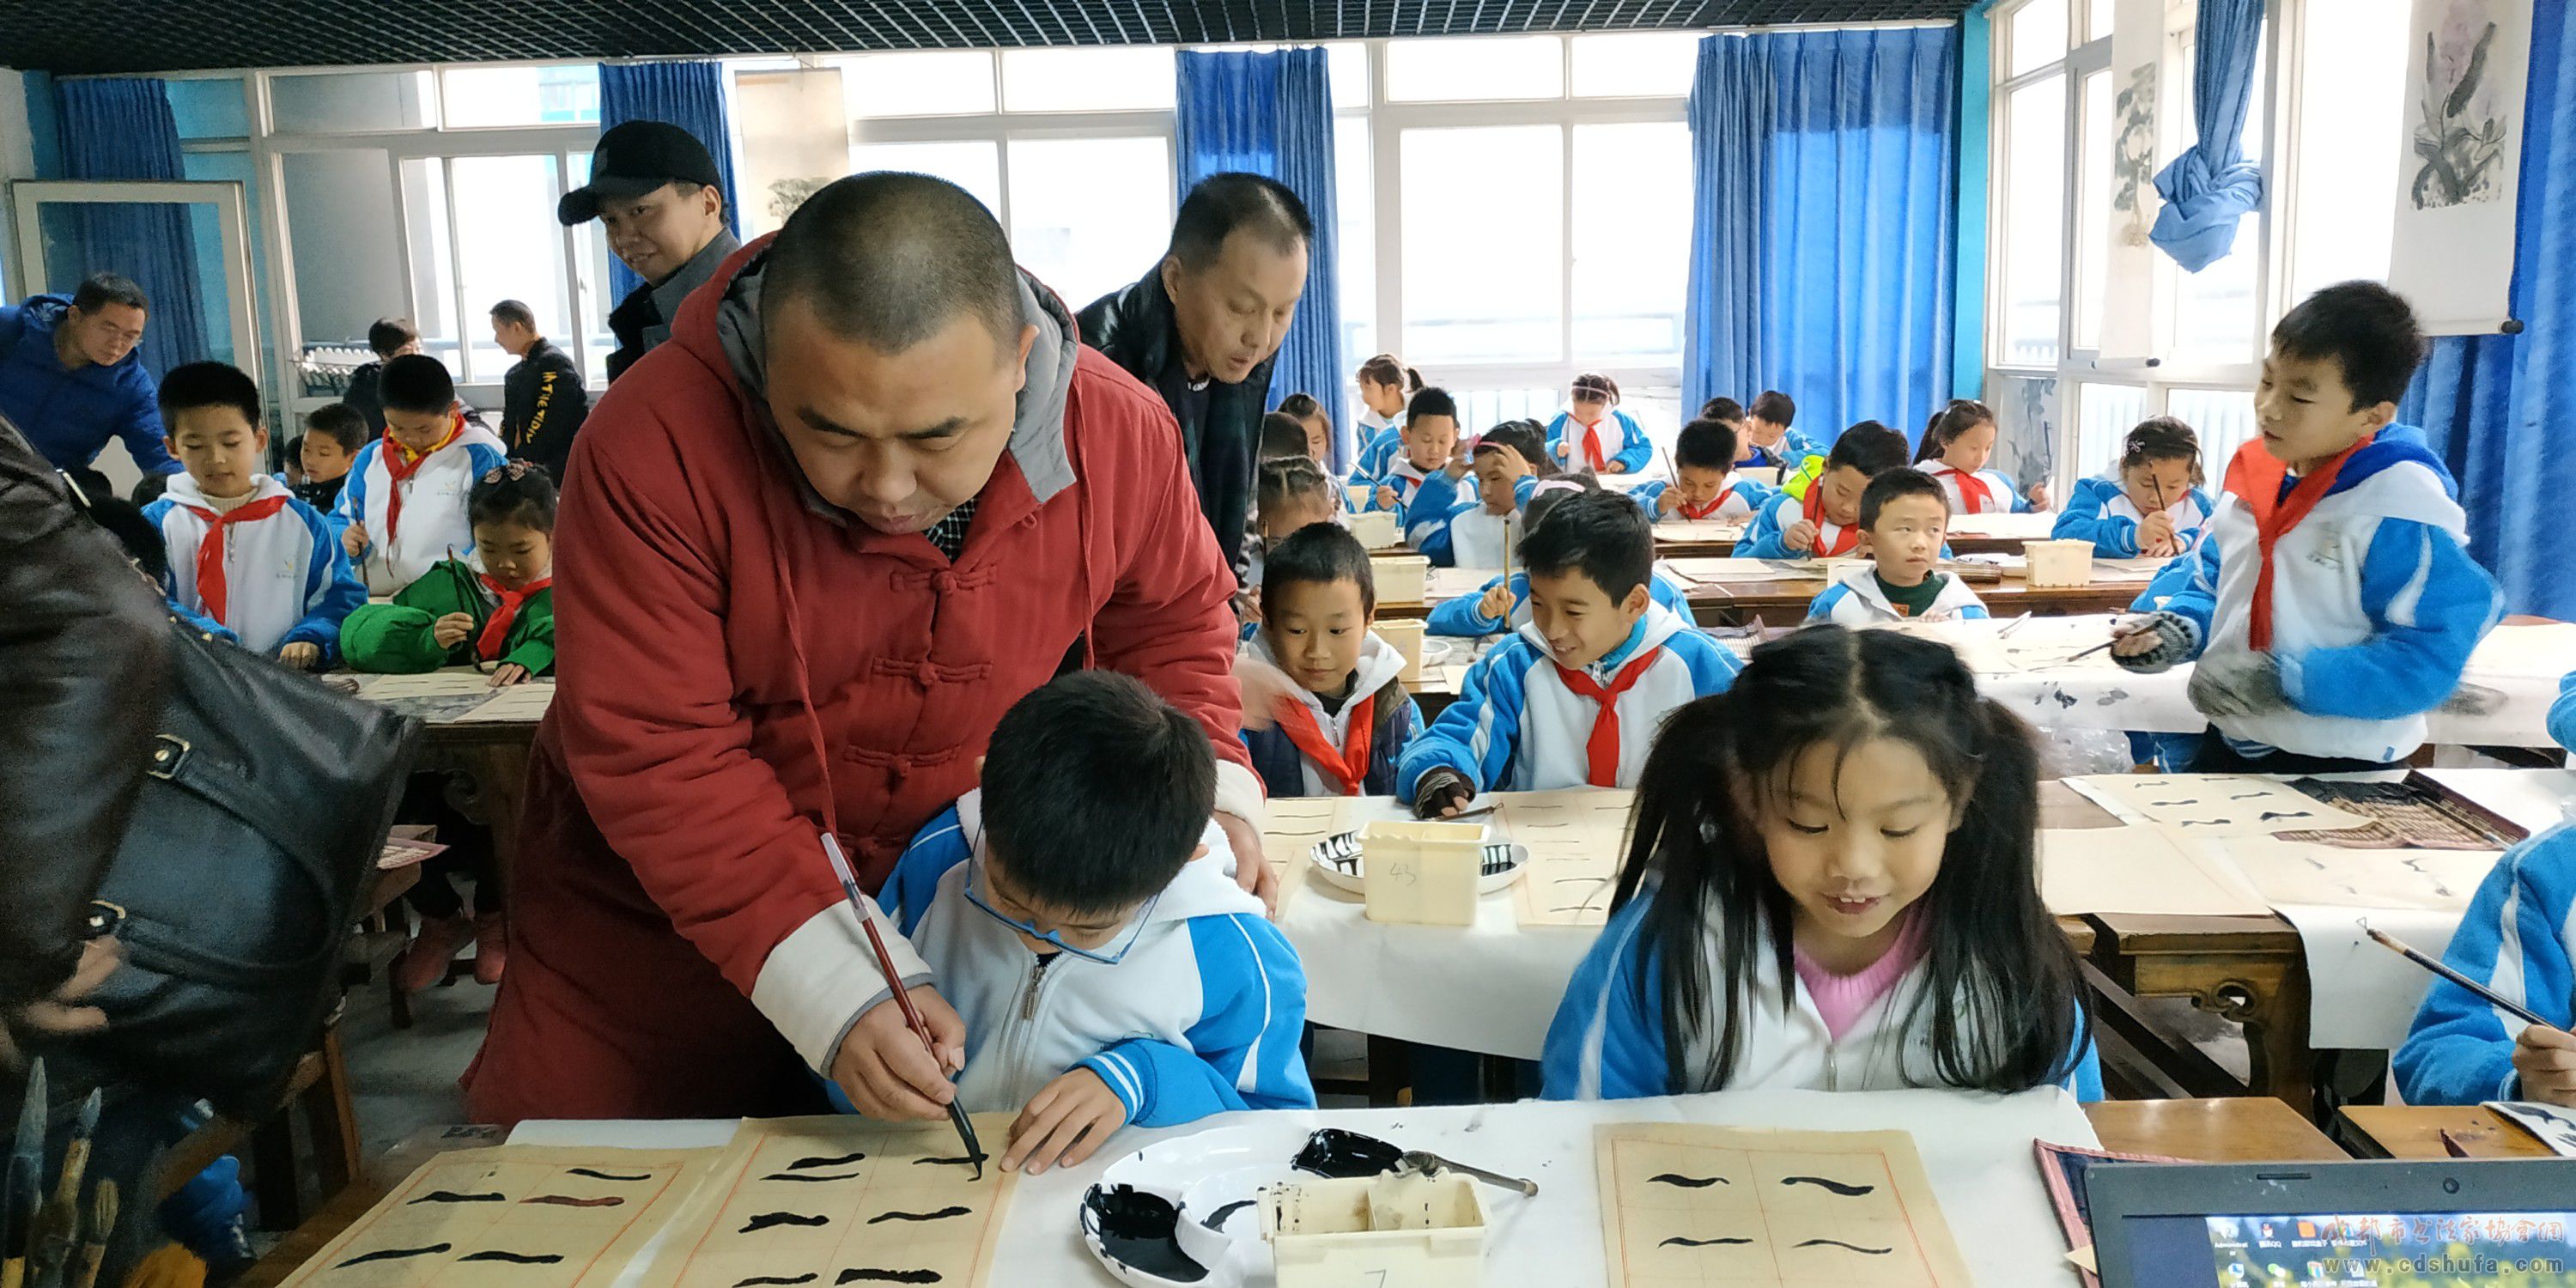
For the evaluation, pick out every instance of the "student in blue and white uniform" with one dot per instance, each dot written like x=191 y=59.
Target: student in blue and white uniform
x=1905 y=518
x=1386 y=385
x=1421 y=484
x=1769 y=442
x=1593 y=434
x=2334 y=602
x=1507 y=466
x=1825 y=523
x=2151 y=504
x=1572 y=698
x=1832 y=885
x=246 y=558
x=1079 y=913
x=2515 y=939
x=2562 y=714
x=1705 y=486
x=1956 y=446
x=1349 y=716
x=1500 y=607
x=403 y=507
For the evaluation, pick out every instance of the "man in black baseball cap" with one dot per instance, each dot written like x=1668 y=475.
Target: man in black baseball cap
x=655 y=191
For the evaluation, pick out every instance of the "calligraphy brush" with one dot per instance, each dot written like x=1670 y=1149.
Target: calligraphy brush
x=93 y=1248
x=894 y=984
x=61 y=1218
x=22 y=1191
x=2494 y=999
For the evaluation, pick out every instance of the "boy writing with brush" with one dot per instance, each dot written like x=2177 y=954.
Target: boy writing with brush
x=2514 y=943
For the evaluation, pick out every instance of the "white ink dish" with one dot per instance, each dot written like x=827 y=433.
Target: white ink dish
x=1343 y=862
x=1201 y=1175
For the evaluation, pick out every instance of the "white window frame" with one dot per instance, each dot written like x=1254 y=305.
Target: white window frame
x=2156 y=376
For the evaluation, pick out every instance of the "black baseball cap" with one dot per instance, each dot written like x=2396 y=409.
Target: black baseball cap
x=636 y=158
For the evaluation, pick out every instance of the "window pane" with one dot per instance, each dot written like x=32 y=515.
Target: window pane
x=1419 y=71
x=236 y=167
x=2037 y=35
x=2033 y=179
x=2093 y=209
x=346 y=102
x=943 y=82
x=1355 y=210
x=591 y=244
x=2098 y=25
x=567 y=95
x=1486 y=287
x=1348 y=66
x=433 y=261
x=1632 y=220
x=2224 y=419
x=340 y=222
x=208 y=109
x=501 y=255
x=1134 y=78
x=1480 y=409
x=1090 y=215
x=2104 y=415
x=1639 y=65
x=975 y=164
x=2348 y=149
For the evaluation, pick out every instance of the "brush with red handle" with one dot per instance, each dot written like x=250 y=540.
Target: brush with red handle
x=894 y=984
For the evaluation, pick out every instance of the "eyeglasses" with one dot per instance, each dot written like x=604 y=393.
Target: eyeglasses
x=978 y=893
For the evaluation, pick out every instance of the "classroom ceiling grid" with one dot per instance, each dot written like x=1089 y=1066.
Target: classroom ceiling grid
x=89 y=37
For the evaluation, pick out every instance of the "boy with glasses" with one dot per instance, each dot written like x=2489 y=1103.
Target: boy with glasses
x=1078 y=912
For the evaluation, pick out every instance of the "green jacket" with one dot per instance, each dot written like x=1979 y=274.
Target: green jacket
x=394 y=639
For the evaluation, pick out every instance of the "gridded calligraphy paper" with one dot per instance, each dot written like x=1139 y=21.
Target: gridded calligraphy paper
x=521 y=703
x=1288 y=840
x=1575 y=838
x=846 y=1201
x=1693 y=1206
x=2214 y=804
x=511 y=1217
x=2140 y=870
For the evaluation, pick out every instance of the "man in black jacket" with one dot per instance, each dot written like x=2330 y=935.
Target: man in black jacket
x=656 y=194
x=542 y=398
x=1204 y=327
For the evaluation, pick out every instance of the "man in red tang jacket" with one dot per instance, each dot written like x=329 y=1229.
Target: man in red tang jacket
x=872 y=492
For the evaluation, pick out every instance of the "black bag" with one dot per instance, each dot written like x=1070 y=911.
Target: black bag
x=254 y=836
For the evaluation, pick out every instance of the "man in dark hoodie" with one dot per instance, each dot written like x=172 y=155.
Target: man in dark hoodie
x=542 y=398
x=1205 y=326
x=655 y=191
x=70 y=378
x=871 y=493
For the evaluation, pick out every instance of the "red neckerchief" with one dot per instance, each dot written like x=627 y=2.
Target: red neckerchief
x=400 y=465
x=1814 y=508
x=1347 y=767
x=1592 y=445
x=496 y=632
x=212 y=547
x=2255 y=477
x=1601 y=750
x=1708 y=511
x=1974 y=495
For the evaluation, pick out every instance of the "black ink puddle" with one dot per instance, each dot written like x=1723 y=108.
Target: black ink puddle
x=1138 y=1229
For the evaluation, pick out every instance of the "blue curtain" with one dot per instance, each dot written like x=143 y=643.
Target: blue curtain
x=688 y=95
x=1272 y=114
x=122 y=129
x=2496 y=406
x=1824 y=222
x=2211 y=185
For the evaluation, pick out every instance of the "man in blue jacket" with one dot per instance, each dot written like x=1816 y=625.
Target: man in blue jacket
x=70 y=378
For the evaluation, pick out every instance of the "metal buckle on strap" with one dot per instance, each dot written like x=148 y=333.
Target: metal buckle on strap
x=104 y=919
x=166 y=758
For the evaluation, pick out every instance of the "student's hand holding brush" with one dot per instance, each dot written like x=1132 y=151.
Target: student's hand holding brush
x=2545 y=1059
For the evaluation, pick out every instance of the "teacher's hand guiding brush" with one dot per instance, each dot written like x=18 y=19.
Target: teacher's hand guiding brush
x=894 y=985
x=2394 y=945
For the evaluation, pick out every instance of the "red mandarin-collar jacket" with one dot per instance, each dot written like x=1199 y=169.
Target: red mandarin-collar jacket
x=669 y=858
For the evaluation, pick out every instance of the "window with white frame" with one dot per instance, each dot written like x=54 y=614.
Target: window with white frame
x=2322 y=126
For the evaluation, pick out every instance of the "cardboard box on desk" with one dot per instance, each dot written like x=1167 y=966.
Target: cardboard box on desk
x=2058 y=563
x=1404 y=636
x=1422 y=873
x=1420 y=1231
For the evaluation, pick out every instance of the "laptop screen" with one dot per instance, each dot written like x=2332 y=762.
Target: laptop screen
x=2354 y=1250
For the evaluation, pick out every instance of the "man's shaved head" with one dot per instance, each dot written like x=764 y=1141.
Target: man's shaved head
x=890 y=259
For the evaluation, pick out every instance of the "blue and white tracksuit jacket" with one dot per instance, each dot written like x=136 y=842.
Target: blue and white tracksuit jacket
x=1285 y=770
x=286 y=579
x=2376 y=606
x=1855 y=599
x=2003 y=496
x=1461 y=616
x=1630 y=452
x=2516 y=940
x=1771 y=524
x=1202 y=1015
x=1790 y=453
x=433 y=525
x=1608 y=1039
x=1472 y=537
x=1741 y=499
x=2171 y=752
x=1378 y=448
x=2100 y=512
x=1517 y=727
x=2562 y=714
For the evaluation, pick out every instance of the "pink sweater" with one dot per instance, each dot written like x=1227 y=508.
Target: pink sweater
x=1842 y=998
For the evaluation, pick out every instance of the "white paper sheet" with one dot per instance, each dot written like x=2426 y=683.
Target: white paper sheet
x=1709 y=571
x=2204 y=805
x=2362 y=996
x=2144 y=870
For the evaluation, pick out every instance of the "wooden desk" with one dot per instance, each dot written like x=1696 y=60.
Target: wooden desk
x=486 y=759
x=2244 y=1129
x=2415 y=1132
x=1720 y=543
x=1785 y=603
x=364 y=1191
